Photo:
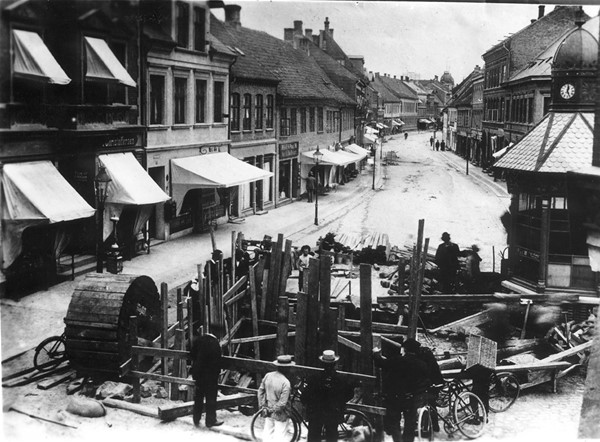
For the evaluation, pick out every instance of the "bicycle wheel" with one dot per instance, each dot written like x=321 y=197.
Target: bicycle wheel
x=49 y=353
x=257 y=427
x=424 y=425
x=469 y=414
x=504 y=391
x=353 y=423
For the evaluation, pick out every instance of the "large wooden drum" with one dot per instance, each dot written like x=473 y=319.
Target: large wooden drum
x=97 y=321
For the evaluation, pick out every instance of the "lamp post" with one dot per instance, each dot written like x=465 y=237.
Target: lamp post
x=114 y=260
x=101 y=187
x=317 y=157
x=374 y=161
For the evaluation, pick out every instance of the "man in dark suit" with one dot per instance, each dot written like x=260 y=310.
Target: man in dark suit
x=206 y=366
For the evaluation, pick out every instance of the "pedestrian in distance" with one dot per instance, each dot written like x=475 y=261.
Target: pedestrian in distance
x=212 y=268
x=443 y=145
x=446 y=258
x=325 y=398
x=431 y=142
x=242 y=261
x=405 y=135
x=206 y=366
x=311 y=185
x=303 y=261
x=473 y=272
x=273 y=398
x=437 y=145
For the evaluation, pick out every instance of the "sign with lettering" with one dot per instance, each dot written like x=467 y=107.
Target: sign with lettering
x=121 y=141
x=288 y=150
x=209 y=149
x=529 y=254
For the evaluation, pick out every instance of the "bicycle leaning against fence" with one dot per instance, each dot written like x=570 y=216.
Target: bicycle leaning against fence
x=466 y=412
x=350 y=422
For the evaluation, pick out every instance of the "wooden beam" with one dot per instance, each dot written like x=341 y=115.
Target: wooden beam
x=227 y=339
x=325 y=341
x=283 y=310
x=254 y=307
x=312 y=314
x=366 y=320
x=161 y=378
x=235 y=298
x=466 y=322
x=301 y=324
x=380 y=327
x=46 y=384
x=353 y=334
x=567 y=353
x=164 y=343
x=234 y=288
x=258 y=338
x=171 y=412
x=144 y=410
x=516 y=368
x=348 y=343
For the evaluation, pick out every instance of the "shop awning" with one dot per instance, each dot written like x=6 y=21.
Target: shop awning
x=355 y=148
x=331 y=158
x=33 y=59
x=425 y=121
x=214 y=171
x=37 y=191
x=370 y=130
x=103 y=65
x=502 y=151
x=370 y=138
x=397 y=123
x=130 y=183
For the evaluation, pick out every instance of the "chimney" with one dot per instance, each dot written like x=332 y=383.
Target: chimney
x=297 y=27
x=406 y=78
x=541 y=11
x=315 y=39
x=232 y=15
x=395 y=77
x=308 y=34
x=331 y=33
x=326 y=24
x=377 y=74
x=288 y=34
x=435 y=78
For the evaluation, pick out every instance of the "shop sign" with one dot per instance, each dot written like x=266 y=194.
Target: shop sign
x=81 y=176
x=288 y=150
x=121 y=141
x=209 y=149
x=529 y=254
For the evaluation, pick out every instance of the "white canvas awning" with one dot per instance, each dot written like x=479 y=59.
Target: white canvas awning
x=331 y=158
x=397 y=123
x=35 y=193
x=371 y=130
x=370 y=138
x=103 y=65
x=33 y=60
x=356 y=149
x=130 y=184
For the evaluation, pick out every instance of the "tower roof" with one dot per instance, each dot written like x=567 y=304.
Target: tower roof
x=579 y=50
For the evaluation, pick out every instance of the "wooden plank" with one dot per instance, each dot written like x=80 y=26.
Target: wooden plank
x=301 y=324
x=570 y=352
x=46 y=384
x=235 y=298
x=274 y=278
x=164 y=319
x=171 y=412
x=36 y=415
x=161 y=378
x=134 y=364
x=465 y=323
x=366 y=320
x=72 y=331
x=282 y=325
x=144 y=410
x=312 y=314
x=380 y=327
x=258 y=338
x=325 y=341
x=348 y=343
x=234 y=288
x=332 y=328
x=516 y=368
x=264 y=287
x=232 y=331
x=35 y=376
x=158 y=352
x=356 y=334
x=88 y=344
x=254 y=308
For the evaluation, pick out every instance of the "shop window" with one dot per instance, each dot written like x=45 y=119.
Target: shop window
x=293 y=121
x=199 y=29
x=234 y=109
x=258 y=112
x=180 y=94
x=270 y=104
x=182 y=24
x=28 y=94
x=320 y=119
x=200 y=101
x=267 y=187
x=284 y=126
x=311 y=120
x=302 y=120
x=219 y=91
x=247 y=121
x=157 y=99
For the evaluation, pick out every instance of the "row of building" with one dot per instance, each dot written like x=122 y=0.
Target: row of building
x=496 y=105
x=194 y=120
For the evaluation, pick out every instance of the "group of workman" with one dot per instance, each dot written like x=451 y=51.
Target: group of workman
x=411 y=379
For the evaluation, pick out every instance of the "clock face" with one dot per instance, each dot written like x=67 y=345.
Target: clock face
x=567 y=91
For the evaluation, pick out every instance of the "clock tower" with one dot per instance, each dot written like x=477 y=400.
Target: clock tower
x=574 y=72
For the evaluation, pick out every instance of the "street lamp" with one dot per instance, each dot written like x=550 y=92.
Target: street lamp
x=374 y=161
x=101 y=187
x=114 y=260
x=317 y=157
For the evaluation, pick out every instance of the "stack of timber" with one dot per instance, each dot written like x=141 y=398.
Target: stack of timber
x=371 y=248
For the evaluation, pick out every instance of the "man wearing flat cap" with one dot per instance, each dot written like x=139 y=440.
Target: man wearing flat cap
x=446 y=258
x=325 y=398
x=273 y=398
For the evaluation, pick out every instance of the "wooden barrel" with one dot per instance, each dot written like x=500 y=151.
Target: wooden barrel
x=97 y=321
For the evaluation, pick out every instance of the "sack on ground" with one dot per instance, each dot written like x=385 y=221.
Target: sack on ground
x=86 y=407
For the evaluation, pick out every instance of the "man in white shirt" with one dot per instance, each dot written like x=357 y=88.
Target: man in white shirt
x=273 y=397
x=302 y=263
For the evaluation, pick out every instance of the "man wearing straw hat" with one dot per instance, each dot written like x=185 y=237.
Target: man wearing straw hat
x=325 y=399
x=273 y=397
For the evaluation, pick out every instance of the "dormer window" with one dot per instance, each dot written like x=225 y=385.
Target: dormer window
x=199 y=29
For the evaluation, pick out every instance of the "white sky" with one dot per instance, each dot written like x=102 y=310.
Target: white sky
x=401 y=37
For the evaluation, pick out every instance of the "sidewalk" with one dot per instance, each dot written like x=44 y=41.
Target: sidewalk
x=25 y=322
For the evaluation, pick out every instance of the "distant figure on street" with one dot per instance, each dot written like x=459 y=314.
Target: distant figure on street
x=311 y=185
x=212 y=268
x=242 y=261
x=443 y=145
x=325 y=398
x=473 y=271
x=446 y=258
x=431 y=142
x=302 y=263
x=405 y=135
x=437 y=145
x=206 y=366
x=273 y=398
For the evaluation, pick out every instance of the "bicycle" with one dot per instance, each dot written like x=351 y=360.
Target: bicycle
x=466 y=412
x=50 y=353
x=351 y=420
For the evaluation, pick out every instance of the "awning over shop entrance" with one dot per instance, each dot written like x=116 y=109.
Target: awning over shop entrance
x=370 y=138
x=35 y=193
x=103 y=65
x=397 y=123
x=33 y=59
x=130 y=183
x=331 y=158
x=355 y=148
x=425 y=121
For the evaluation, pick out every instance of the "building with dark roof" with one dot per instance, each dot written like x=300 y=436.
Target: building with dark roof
x=398 y=101
x=552 y=174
